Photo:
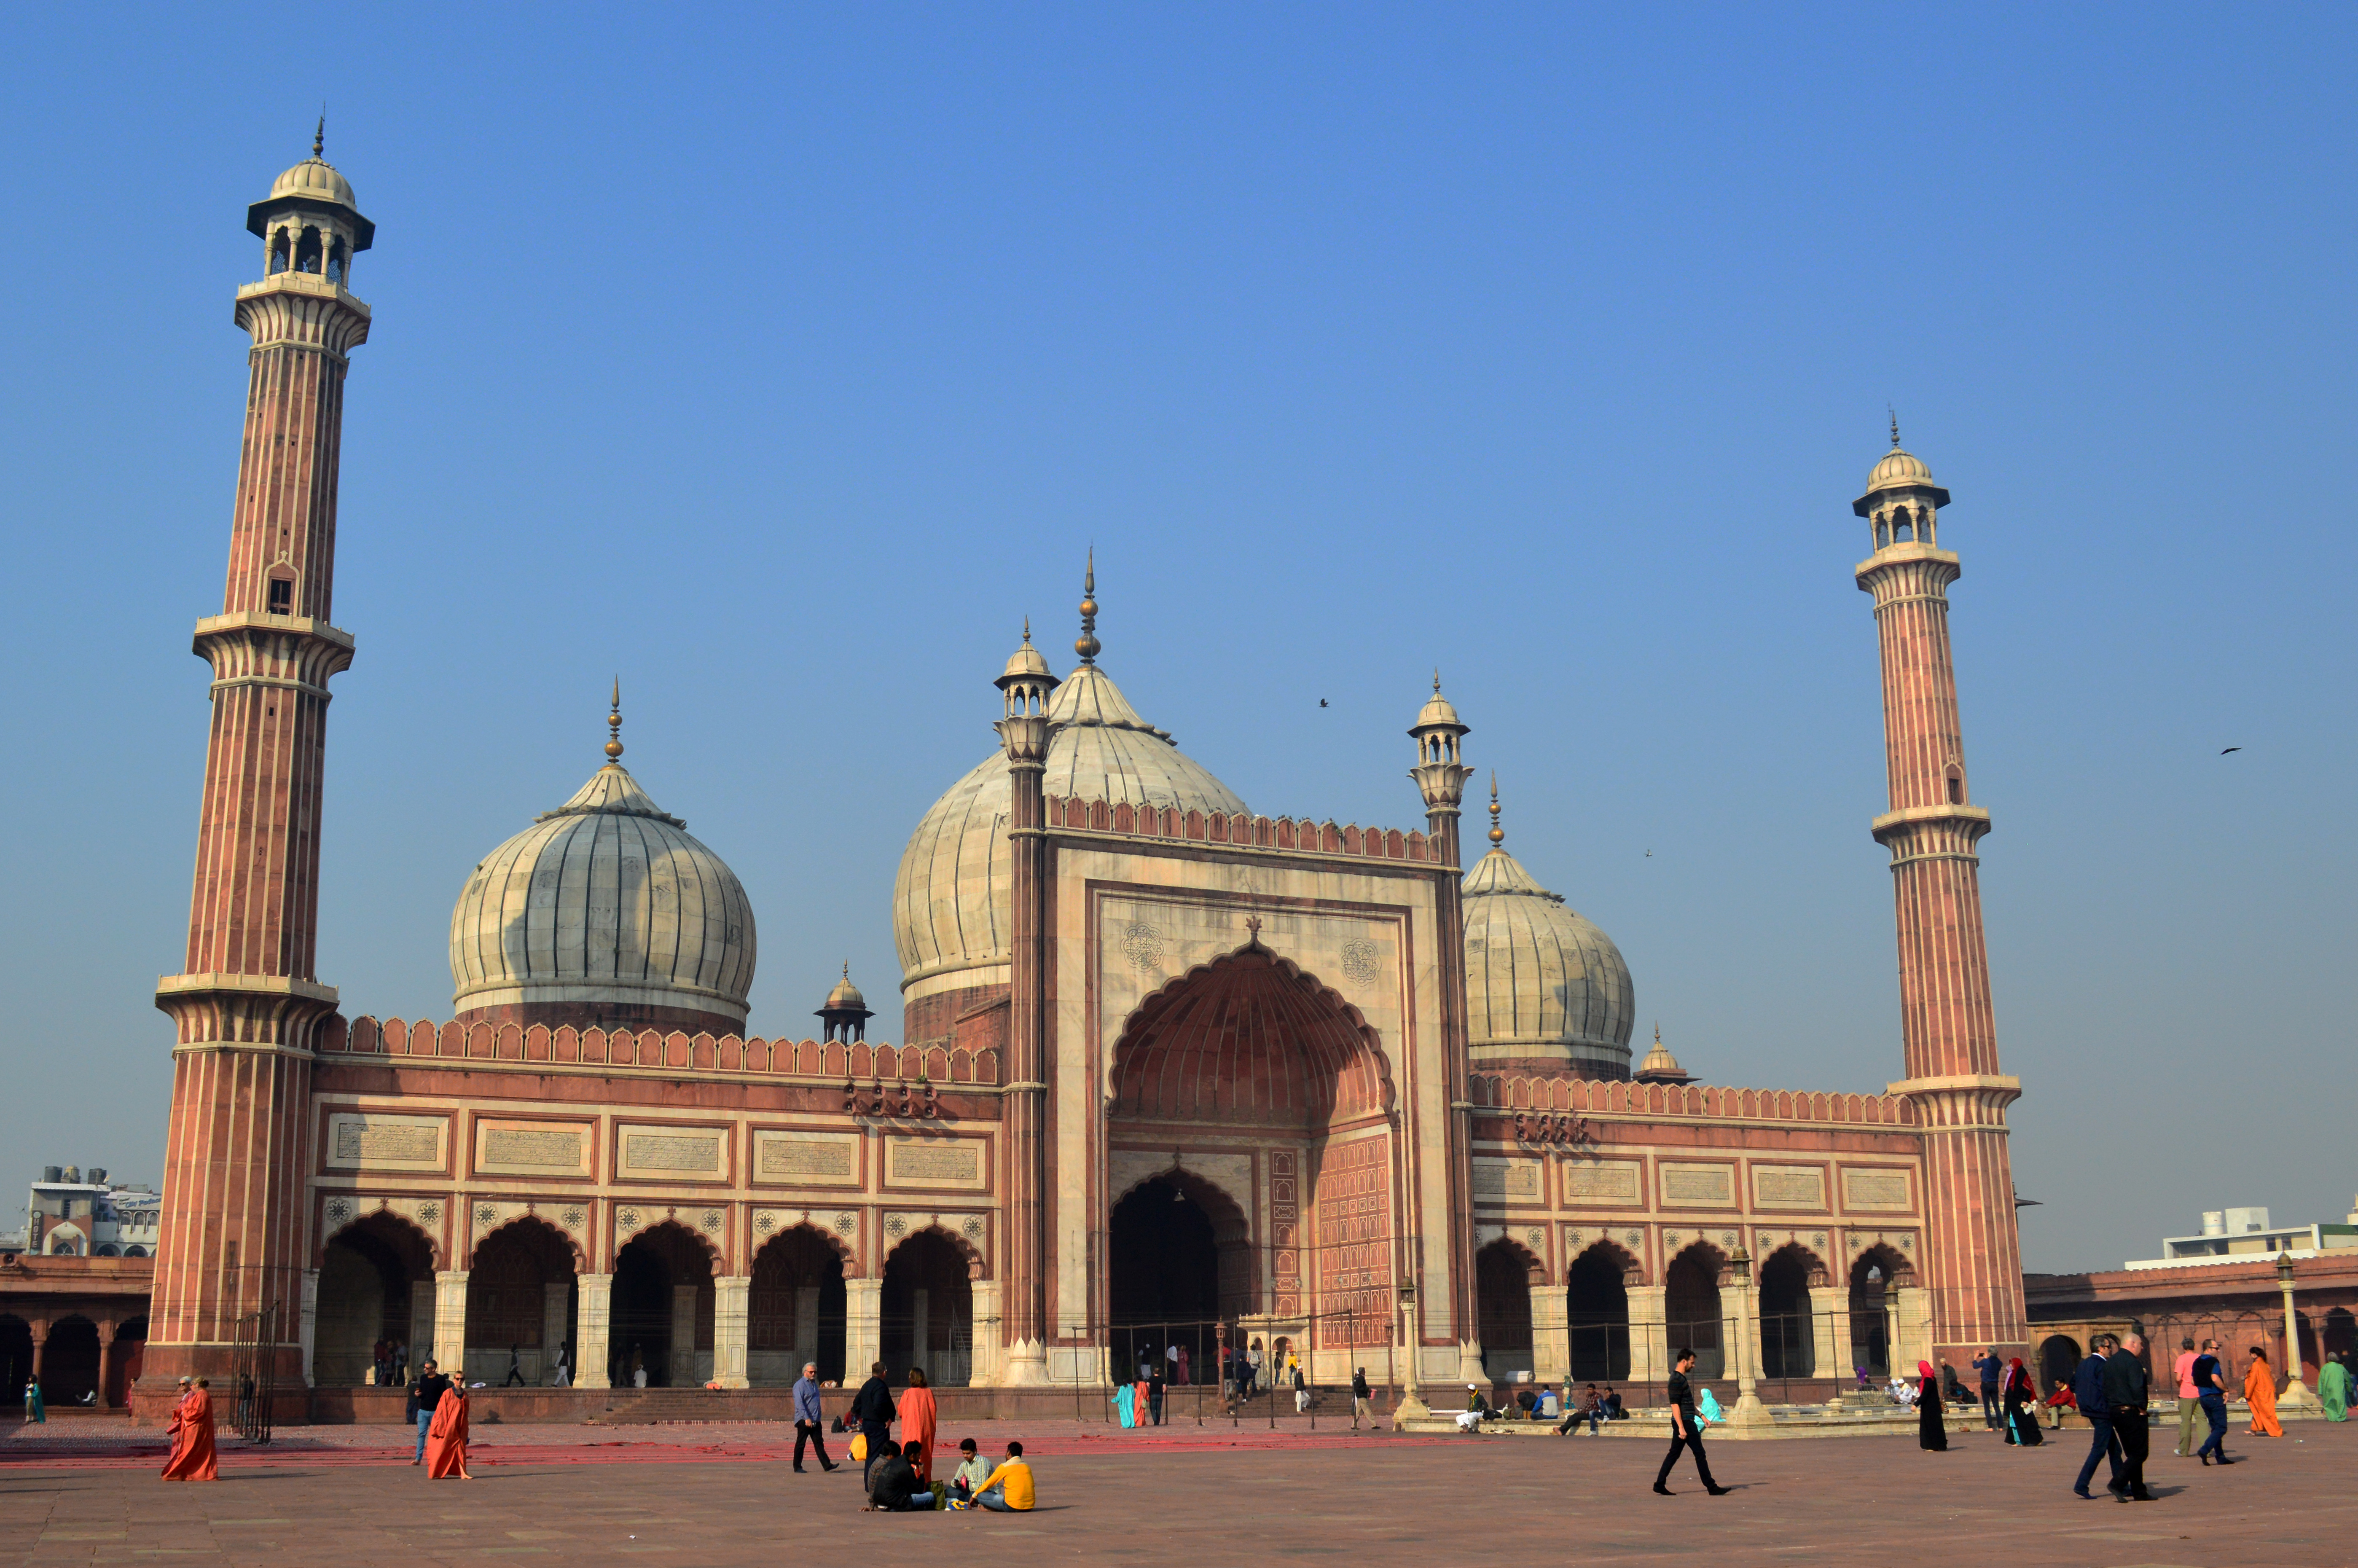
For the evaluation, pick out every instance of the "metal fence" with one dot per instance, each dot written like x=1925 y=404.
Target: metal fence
x=1218 y=1385
x=253 y=1366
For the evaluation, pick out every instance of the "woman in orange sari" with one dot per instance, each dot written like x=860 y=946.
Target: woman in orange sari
x=917 y=1415
x=445 y=1439
x=2260 y=1393
x=192 y=1437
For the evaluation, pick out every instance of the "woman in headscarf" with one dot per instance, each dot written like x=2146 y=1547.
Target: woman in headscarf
x=1125 y=1403
x=2333 y=1388
x=34 y=1411
x=445 y=1439
x=192 y=1437
x=1182 y=1360
x=2260 y=1393
x=917 y=1415
x=1707 y=1406
x=1931 y=1431
x=2021 y=1406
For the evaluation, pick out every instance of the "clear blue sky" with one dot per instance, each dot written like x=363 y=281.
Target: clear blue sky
x=782 y=361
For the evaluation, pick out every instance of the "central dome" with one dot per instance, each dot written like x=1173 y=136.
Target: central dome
x=950 y=901
x=604 y=912
x=1543 y=985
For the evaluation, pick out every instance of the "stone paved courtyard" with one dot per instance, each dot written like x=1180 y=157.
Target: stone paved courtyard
x=720 y=1495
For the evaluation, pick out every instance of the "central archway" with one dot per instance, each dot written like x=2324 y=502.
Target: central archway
x=1249 y=1122
x=662 y=1315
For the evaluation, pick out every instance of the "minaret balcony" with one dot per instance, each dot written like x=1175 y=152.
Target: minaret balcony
x=310 y=283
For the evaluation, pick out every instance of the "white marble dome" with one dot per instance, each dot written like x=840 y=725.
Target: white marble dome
x=1542 y=982
x=950 y=901
x=604 y=912
x=315 y=179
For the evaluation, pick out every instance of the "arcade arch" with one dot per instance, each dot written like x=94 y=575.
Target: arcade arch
x=372 y=1274
x=520 y=1301
x=796 y=1308
x=1690 y=1307
x=1875 y=1277
x=1787 y=1326
x=1504 y=1273
x=662 y=1311
x=1597 y=1312
x=927 y=1319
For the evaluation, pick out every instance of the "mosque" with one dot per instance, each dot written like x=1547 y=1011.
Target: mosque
x=1173 y=1074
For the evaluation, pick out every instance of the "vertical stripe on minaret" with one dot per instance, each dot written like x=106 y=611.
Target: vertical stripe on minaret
x=247 y=1005
x=1972 y=1257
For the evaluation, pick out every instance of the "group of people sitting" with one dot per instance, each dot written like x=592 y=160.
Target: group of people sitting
x=901 y=1479
x=1541 y=1402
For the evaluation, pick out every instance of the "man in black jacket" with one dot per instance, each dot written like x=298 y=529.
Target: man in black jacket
x=2125 y=1397
x=893 y=1484
x=1686 y=1429
x=427 y=1393
x=2087 y=1390
x=871 y=1407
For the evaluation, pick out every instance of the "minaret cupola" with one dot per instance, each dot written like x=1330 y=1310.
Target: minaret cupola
x=309 y=222
x=1901 y=503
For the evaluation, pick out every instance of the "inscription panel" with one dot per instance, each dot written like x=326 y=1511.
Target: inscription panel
x=372 y=1141
x=1507 y=1181
x=1788 y=1187
x=1601 y=1181
x=1698 y=1186
x=532 y=1148
x=806 y=1158
x=670 y=1152
x=1875 y=1189
x=934 y=1163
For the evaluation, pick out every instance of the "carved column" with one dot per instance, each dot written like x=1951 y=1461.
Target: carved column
x=1650 y=1346
x=731 y=1319
x=451 y=1321
x=592 y=1354
x=556 y=1328
x=1550 y=1334
x=863 y=1328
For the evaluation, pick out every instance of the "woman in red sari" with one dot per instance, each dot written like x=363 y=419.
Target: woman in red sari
x=917 y=1415
x=445 y=1439
x=192 y=1437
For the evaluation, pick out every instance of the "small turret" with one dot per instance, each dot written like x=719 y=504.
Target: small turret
x=844 y=1015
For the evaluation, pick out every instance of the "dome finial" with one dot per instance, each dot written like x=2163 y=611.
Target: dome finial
x=1895 y=425
x=614 y=725
x=1087 y=644
x=320 y=135
x=1436 y=680
x=1498 y=834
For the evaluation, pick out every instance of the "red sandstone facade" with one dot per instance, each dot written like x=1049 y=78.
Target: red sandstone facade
x=1233 y=1039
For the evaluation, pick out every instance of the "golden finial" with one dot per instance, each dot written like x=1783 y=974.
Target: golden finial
x=1895 y=425
x=614 y=725
x=1436 y=680
x=1087 y=644
x=1027 y=630
x=319 y=136
x=1498 y=834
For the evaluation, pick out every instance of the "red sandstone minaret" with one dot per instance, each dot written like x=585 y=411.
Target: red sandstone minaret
x=1972 y=1261
x=247 y=1007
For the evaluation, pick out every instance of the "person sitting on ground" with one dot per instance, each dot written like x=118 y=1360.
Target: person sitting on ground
x=1707 y=1406
x=1590 y=1408
x=892 y=1483
x=972 y=1471
x=1008 y=1489
x=1548 y=1410
x=2061 y=1399
x=1952 y=1391
x=1528 y=1402
x=1613 y=1407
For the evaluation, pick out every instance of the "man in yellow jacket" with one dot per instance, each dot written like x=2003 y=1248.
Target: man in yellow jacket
x=1009 y=1490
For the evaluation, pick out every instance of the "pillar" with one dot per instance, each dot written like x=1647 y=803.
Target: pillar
x=310 y=1330
x=732 y=1299
x=1749 y=1411
x=421 y=1323
x=863 y=1328
x=805 y=1326
x=39 y=1328
x=1830 y=1335
x=106 y=1328
x=988 y=1361
x=1649 y=1344
x=682 y=1369
x=451 y=1321
x=1972 y=1255
x=591 y=1354
x=1550 y=1334
x=556 y=1326
x=2297 y=1396
x=1911 y=1332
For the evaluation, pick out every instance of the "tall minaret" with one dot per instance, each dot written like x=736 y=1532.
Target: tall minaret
x=1440 y=774
x=247 y=1006
x=1971 y=1261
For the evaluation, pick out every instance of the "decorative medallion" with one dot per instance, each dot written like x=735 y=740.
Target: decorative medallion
x=1572 y=1238
x=1143 y=943
x=1907 y=1244
x=573 y=1218
x=1635 y=1239
x=895 y=1226
x=846 y=1223
x=711 y=1222
x=973 y=1227
x=339 y=1210
x=1727 y=1238
x=1363 y=960
x=628 y=1218
x=429 y=1212
x=1536 y=1239
x=1670 y=1241
x=485 y=1214
x=765 y=1222
x=1820 y=1239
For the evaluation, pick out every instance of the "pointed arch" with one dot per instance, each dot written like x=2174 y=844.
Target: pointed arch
x=571 y=1243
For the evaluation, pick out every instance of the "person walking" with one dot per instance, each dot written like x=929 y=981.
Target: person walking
x=1154 y=1392
x=2088 y=1392
x=871 y=1407
x=1932 y=1423
x=2260 y=1393
x=446 y=1445
x=808 y=1423
x=1686 y=1430
x=427 y=1393
x=2211 y=1377
x=1362 y=1406
x=2125 y=1394
x=2190 y=1398
x=1993 y=1371
x=2334 y=1386
x=515 y=1380
x=192 y=1437
x=2022 y=1397
x=36 y=1412
x=917 y=1415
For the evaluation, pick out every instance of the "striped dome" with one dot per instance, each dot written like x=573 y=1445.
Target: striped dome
x=1542 y=982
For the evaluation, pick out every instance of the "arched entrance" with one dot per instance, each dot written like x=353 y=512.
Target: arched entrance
x=795 y=1309
x=1251 y=1070
x=1874 y=1279
x=928 y=1310
x=1597 y=1312
x=70 y=1362
x=661 y=1322
x=520 y=1303
x=16 y=1356
x=1691 y=1308
x=1788 y=1332
x=369 y=1275
x=2059 y=1359
x=1502 y=1300
x=130 y=1356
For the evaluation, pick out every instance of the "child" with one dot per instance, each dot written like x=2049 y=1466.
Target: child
x=1008 y=1489
x=968 y=1477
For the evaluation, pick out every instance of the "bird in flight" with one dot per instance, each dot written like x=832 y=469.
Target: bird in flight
x=2222 y=753
x=1322 y=702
